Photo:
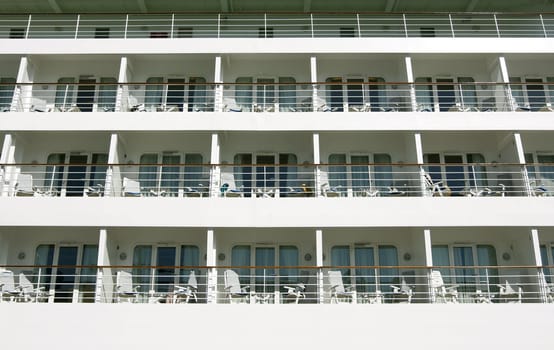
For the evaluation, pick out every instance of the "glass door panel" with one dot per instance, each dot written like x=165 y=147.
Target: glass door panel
x=337 y=173
x=76 y=175
x=87 y=280
x=107 y=94
x=64 y=93
x=176 y=93
x=424 y=94
x=85 y=94
x=243 y=172
x=355 y=94
x=388 y=256
x=240 y=256
x=383 y=172
x=265 y=94
x=340 y=256
x=446 y=94
x=288 y=256
x=455 y=177
x=53 y=177
x=165 y=273
x=169 y=181
x=265 y=277
x=535 y=94
x=365 y=277
x=441 y=257
x=142 y=259
x=288 y=172
x=148 y=171
x=265 y=172
x=98 y=172
x=463 y=256
x=488 y=277
x=44 y=259
x=360 y=174
x=65 y=274
x=334 y=94
x=190 y=256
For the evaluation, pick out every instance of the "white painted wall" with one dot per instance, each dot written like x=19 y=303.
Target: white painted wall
x=458 y=327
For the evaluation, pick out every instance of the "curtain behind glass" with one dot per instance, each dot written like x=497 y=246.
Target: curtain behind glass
x=288 y=256
x=243 y=93
x=424 y=94
x=287 y=94
x=265 y=277
x=195 y=175
x=340 y=256
x=197 y=94
x=477 y=173
x=107 y=94
x=383 y=171
x=243 y=174
x=142 y=256
x=468 y=94
x=98 y=172
x=44 y=259
x=165 y=271
x=365 y=277
x=6 y=93
x=64 y=92
x=190 y=256
x=441 y=258
x=334 y=94
x=337 y=173
x=288 y=172
x=546 y=170
x=53 y=177
x=377 y=94
x=240 y=256
x=148 y=173
x=463 y=256
x=170 y=174
x=154 y=93
x=486 y=256
x=517 y=91
x=360 y=174
x=388 y=256
x=87 y=281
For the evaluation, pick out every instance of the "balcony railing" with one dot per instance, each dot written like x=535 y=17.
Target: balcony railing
x=277 y=284
x=351 y=97
x=276 y=25
x=277 y=180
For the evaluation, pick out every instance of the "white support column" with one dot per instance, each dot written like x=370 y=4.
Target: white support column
x=317 y=167
x=506 y=80
x=313 y=78
x=218 y=79
x=8 y=174
x=122 y=97
x=215 y=171
x=319 y=264
x=428 y=260
x=543 y=285
x=521 y=160
x=113 y=173
x=410 y=79
x=419 y=156
x=211 y=278
x=100 y=296
x=23 y=94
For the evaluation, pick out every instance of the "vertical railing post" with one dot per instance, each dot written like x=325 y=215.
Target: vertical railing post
x=77 y=26
x=451 y=25
x=359 y=27
x=218 y=25
x=543 y=27
x=496 y=24
x=126 y=26
x=172 y=24
x=28 y=27
x=265 y=25
x=405 y=25
x=312 y=23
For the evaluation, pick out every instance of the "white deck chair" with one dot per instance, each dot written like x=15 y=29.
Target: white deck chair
x=339 y=292
x=124 y=289
x=402 y=293
x=234 y=291
x=440 y=292
x=228 y=186
x=229 y=105
x=507 y=293
x=134 y=106
x=326 y=189
x=435 y=188
x=24 y=187
x=8 y=291
x=294 y=293
x=28 y=291
x=183 y=294
x=131 y=188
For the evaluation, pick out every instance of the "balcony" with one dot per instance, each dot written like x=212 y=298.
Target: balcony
x=277 y=25
x=348 y=97
x=337 y=180
x=459 y=284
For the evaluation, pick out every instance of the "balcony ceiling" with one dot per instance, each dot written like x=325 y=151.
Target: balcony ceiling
x=150 y=6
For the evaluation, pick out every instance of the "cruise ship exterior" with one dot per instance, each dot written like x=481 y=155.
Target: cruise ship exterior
x=293 y=173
